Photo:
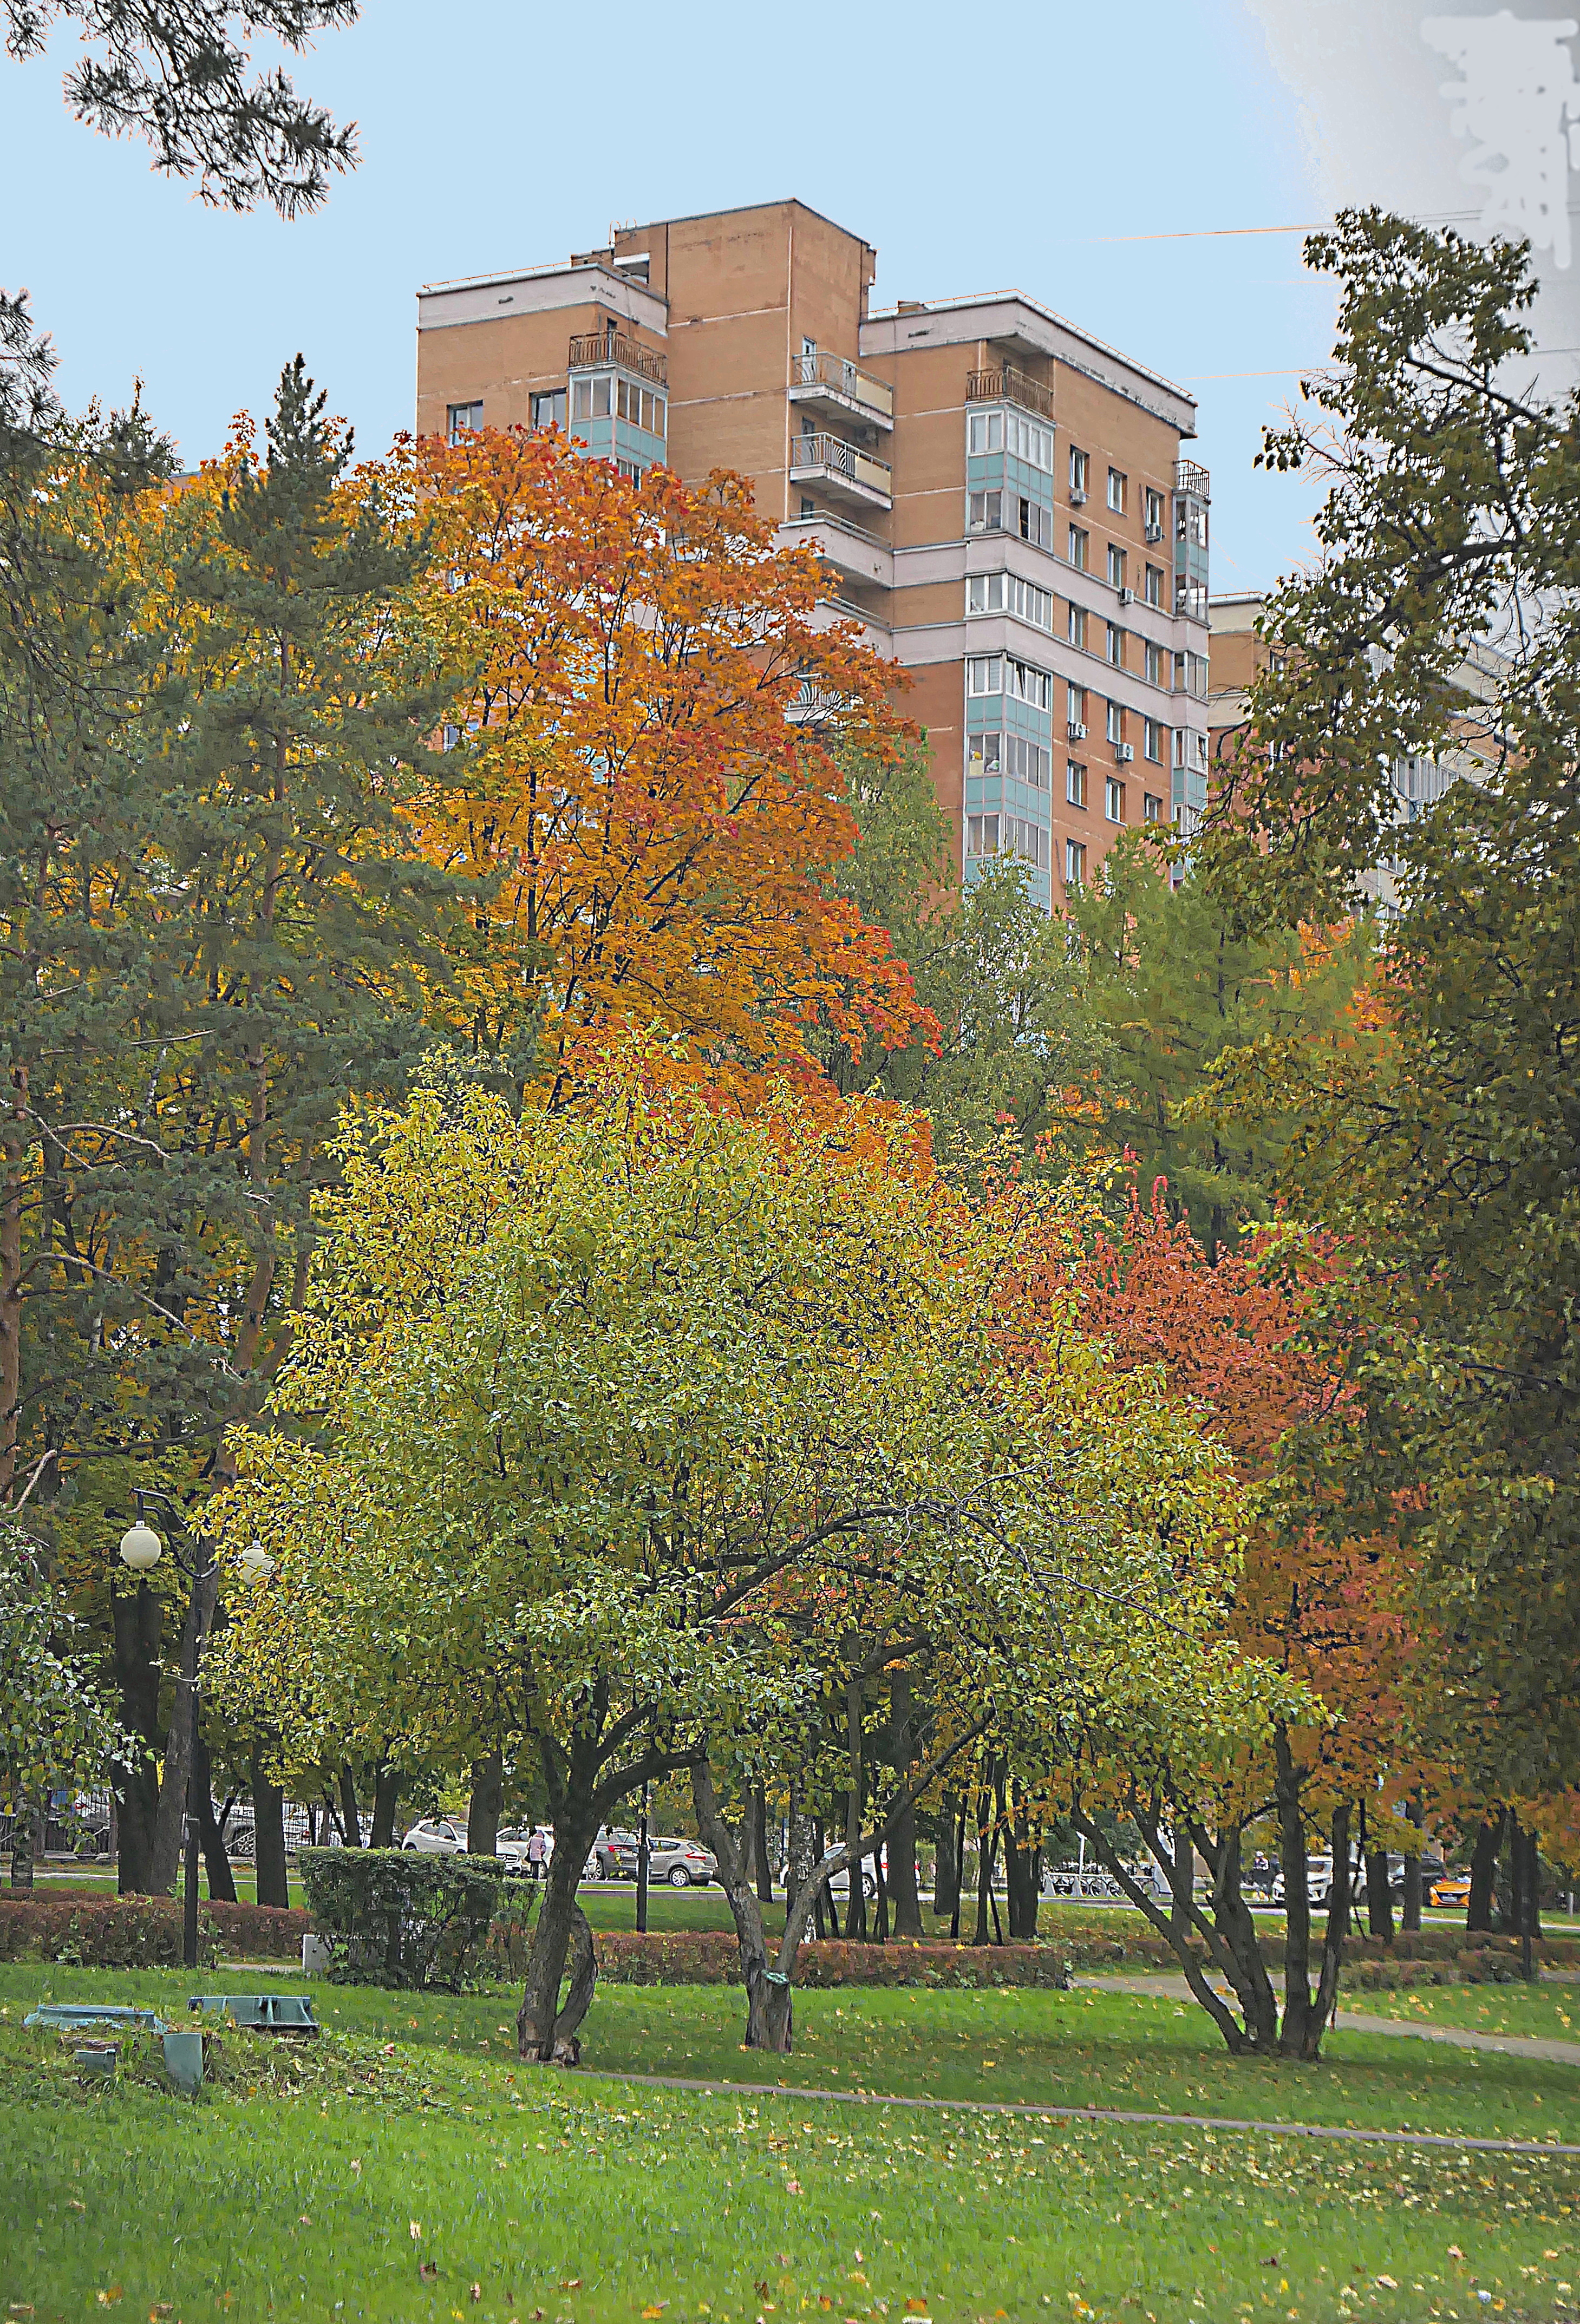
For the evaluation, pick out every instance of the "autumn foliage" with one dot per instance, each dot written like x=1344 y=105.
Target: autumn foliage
x=644 y=782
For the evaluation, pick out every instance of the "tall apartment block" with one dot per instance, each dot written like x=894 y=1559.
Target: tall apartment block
x=997 y=498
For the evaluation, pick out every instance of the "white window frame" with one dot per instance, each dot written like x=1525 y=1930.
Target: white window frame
x=1075 y=783
x=1113 y=800
x=985 y=674
x=1118 y=490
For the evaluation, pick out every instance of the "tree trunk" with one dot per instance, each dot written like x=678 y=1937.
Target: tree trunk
x=946 y=1861
x=559 y=1917
x=802 y=1858
x=1292 y=2034
x=856 y=1908
x=987 y=1847
x=770 y=2023
x=25 y=1841
x=764 y=1863
x=387 y=1791
x=216 y=1857
x=1379 y=1896
x=136 y=1616
x=1414 y=1886
x=1332 y=1941
x=170 y=1822
x=487 y=1800
x=268 y=1834
x=1021 y=1870
x=350 y=1813
x=1483 y=1874
x=902 y=1886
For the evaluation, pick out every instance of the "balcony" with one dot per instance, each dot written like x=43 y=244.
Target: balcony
x=843 y=472
x=856 y=555
x=1009 y=385
x=820 y=382
x=594 y=350
x=1190 y=478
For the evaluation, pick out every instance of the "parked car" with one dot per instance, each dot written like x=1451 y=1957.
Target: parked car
x=615 y=1854
x=241 y=1835
x=1449 y=1888
x=683 y=1863
x=437 y=1836
x=510 y=1846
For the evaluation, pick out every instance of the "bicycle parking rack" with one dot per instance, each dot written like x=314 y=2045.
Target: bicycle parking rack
x=262 y=2012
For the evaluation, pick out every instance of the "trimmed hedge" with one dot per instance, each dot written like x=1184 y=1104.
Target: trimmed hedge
x=396 y=1917
x=143 y=1931
x=711 y=1956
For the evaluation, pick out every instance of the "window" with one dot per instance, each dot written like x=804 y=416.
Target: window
x=808 y=506
x=448 y=737
x=1151 y=807
x=1080 y=472
x=1154 y=588
x=1027 y=839
x=1006 y=592
x=631 y=469
x=1078 y=626
x=1028 y=442
x=982 y=834
x=640 y=406
x=1035 y=523
x=1075 y=784
x=1075 y=862
x=1028 y=762
x=1080 y=543
x=984 y=513
x=1115 y=647
x=593 y=398
x=1154 y=739
x=1116 y=567
x=1026 y=683
x=985 y=431
x=1152 y=509
x=464 y=419
x=1115 y=721
x=1154 y=661
x=1190 y=675
x=1190 y=749
x=548 y=409
x=985 y=754
x=1118 y=490
x=1114 y=799
x=985 y=674
x=1076 y=705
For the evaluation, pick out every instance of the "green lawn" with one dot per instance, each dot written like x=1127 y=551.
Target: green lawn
x=292 y=2187
x=1549 y=2010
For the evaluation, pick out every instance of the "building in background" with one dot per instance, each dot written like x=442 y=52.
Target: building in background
x=998 y=498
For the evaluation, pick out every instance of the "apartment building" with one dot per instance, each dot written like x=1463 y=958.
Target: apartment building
x=999 y=499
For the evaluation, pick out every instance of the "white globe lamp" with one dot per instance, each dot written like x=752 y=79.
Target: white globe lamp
x=141 y=1546
x=256 y=1562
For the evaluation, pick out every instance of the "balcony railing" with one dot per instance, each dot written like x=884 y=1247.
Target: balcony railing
x=820 y=369
x=590 y=349
x=1007 y=383
x=1190 y=478
x=832 y=457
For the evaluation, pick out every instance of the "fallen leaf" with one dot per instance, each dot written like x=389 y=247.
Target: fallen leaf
x=417 y=2231
x=159 y=2308
x=659 y=2311
x=428 y=2269
x=72 y=2206
x=570 y=2284
x=304 y=2221
x=1453 y=2250
x=913 y=2307
x=109 y=2299
x=476 y=2290
x=1387 y=2282
x=793 y=2187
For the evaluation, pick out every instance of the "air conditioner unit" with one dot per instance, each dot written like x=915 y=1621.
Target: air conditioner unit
x=1124 y=752
x=1127 y=597
x=1077 y=730
x=1154 y=534
x=1078 y=497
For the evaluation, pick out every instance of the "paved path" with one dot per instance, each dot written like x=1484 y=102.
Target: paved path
x=1357 y=2021
x=1092 y=2114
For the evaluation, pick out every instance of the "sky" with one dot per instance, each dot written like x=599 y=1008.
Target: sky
x=1095 y=158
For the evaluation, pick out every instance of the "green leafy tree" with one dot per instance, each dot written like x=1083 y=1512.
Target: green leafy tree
x=56 y=1722
x=1442 y=621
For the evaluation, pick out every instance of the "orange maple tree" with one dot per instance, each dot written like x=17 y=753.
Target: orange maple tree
x=645 y=780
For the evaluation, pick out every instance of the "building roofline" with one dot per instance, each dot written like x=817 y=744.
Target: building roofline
x=521 y=274
x=570 y=266
x=1049 y=314
x=744 y=209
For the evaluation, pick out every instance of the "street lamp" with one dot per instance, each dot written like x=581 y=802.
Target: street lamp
x=255 y=1560
x=140 y=1550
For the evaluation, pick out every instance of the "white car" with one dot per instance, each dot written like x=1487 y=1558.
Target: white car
x=437 y=1836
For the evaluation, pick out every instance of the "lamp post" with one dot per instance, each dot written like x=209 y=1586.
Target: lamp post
x=141 y=1551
